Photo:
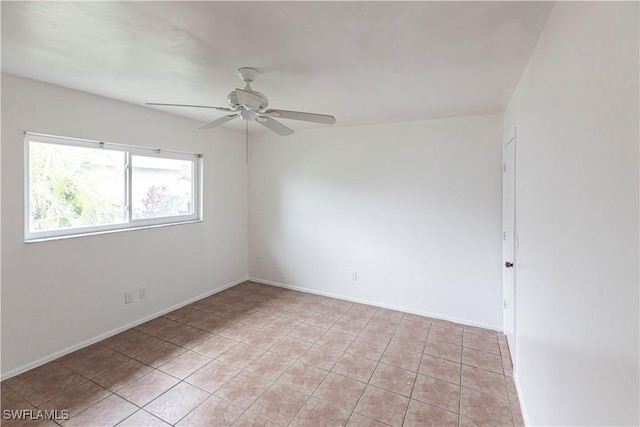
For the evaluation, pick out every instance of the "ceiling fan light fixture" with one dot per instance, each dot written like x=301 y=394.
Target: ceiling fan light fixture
x=248 y=115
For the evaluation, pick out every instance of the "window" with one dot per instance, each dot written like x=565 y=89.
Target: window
x=77 y=186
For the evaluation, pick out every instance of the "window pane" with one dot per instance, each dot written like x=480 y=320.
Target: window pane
x=71 y=187
x=161 y=187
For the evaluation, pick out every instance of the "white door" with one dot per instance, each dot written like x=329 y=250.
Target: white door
x=509 y=244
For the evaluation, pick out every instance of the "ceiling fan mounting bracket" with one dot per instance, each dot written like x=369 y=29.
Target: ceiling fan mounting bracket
x=248 y=74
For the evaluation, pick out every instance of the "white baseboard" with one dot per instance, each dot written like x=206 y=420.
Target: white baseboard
x=523 y=407
x=65 y=351
x=376 y=304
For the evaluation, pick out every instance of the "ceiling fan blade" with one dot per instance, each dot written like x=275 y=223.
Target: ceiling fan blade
x=274 y=125
x=189 y=105
x=219 y=121
x=248 y=99
x=298 y=115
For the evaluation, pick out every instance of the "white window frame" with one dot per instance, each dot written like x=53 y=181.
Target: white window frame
x=130 y=223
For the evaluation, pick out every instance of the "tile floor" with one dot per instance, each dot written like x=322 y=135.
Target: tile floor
x=257 y=355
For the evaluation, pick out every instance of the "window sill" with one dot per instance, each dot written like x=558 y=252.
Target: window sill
x=118 y=230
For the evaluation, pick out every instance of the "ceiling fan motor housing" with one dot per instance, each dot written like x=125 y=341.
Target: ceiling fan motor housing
x=248 y=75
x=232 y=99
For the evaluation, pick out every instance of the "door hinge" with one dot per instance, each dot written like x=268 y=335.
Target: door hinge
x=504 y=303
x=504 y=235
x=504 y=167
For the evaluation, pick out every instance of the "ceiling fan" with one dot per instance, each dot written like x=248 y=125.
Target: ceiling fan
x=249 y=104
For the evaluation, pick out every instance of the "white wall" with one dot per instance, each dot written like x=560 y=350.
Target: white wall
x=58 y=294
x=576 y=112
x=414 y=208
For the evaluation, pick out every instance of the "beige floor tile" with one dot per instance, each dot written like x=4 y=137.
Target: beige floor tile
x=401 y=358
x=340 y=390
x=303 y=377
x=107 y=412
x=383 y=406
x=177 y=402
x=438 y=393
x=160 y=354
x=324 y=318
x=349 y=326
x=213 y=376
x=212 y=412
x=154 y=324
x=148 y=387
x=480 y=331
x=240 y=355
x=367 y=349
x=355 y=367
x=408 y=342
x=251 y=419
x=422 y=320
x=358 y=420
x=280 y=403
x=123 y=375
x=143 y=419
x=132 y=342
x=262 y=340
x=483 y=360
x=322 y=357
x=185 y=364
x=77 y=399
x=447 y=325
x=214 y=346
x=443 y=350
x=452 y=336
x=320 y=413
x=45 y=382
x=335 y=340
x=307 y=332
x=422 y=415
x=270 y=365
x=393 y=379
x=485 y=381
x=482 y=342
x=191 y=338
x=93 y=361
x=290 y=347
x=244 y=389
x=441 y=369
x=484 y=408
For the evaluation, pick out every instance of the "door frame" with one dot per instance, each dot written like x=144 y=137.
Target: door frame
x=511 y=338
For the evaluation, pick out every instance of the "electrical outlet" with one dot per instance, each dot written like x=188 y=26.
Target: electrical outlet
x=354 y=276
x=143 y=293
x=128 y=297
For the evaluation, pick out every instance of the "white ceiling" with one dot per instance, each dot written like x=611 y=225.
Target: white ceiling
x=363 y=62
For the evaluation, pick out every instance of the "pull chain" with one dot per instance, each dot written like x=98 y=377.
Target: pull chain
x=246 y=142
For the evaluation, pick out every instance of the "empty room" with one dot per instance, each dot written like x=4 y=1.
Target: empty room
x=320 y=213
